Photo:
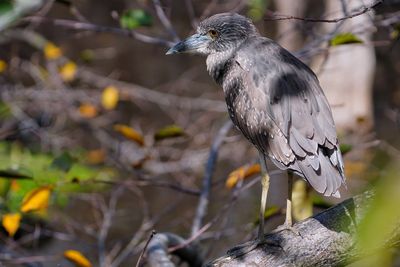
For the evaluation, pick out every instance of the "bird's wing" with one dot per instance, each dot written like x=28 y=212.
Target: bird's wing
x=297 y=106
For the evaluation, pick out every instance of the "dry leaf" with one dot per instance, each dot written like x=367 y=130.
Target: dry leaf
x=88 y=111
x=11 y=222
x=129 y=133
x=3 y=66
x=37 y=199
x=241 y=173
x=77 y=258
x=51 y=51
x=110 y=97
x=302 y=205
x=96 y=156
x=68 y=71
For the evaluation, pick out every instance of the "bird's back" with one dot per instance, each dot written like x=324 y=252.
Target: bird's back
x=278 y=104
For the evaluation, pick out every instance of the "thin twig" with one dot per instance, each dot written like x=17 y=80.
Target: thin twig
x=273 y=16
x=204 y=196
x=153 y=232
x=165 y=21
x=78 y=25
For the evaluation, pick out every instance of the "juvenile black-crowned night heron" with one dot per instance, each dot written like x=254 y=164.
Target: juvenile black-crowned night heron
x=275 y=100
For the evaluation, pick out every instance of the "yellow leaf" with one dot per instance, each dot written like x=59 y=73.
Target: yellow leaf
x=96 y=156
x=129 y=133
x=241 y=173
x=36 y=199
x=88 y=111
x=3 y=66
x=110 y=97
x=302 y=205
x=68 y=71
x=77 y=258
x=11 y=222
x=51 y=51
x=168 y=132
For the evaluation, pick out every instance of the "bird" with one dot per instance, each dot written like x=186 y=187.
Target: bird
x=275 y=100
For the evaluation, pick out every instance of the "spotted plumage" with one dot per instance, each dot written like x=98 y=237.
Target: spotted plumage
x=273 y=98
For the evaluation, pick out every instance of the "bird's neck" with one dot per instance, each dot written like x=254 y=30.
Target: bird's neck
x=218 y=64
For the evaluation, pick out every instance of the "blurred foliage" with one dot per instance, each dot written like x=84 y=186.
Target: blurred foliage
x=110 y=97
x=375 y=231
x=257 y=9
x=345 y=148
x=30 y=181
x=345 y=38
x=77 y=258
x=3 y=66
x=302 y=204
x=241 y=173
x=11 y=222
x=129 y=133
x=134 y=18
x=5 y=6
x=169 y=132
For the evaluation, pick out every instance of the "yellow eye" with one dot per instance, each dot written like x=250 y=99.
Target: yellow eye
x=213 y=34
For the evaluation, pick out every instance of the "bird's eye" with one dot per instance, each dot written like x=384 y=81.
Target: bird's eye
x=213 y=34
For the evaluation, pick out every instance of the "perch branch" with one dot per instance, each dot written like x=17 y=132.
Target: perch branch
x=327 y=239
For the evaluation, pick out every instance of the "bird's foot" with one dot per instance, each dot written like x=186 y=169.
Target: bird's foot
x=286 y=227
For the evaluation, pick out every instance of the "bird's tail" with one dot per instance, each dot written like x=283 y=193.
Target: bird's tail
x=329 y=176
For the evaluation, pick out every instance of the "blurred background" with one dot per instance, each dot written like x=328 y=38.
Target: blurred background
x=104 y=138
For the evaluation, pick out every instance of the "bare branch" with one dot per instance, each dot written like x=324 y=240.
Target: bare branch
x=158 y=254
x=203 y=202
x=327 y=239
x=273 y=16
x=164 y=20
x=85 y=26
x=145 y=247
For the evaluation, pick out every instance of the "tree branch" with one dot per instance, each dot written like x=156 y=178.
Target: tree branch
x=158 y=254
x=327 y=239
x=274 y=16
x=205 y=192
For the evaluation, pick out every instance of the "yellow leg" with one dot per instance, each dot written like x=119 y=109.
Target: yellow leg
x=288 y=220
x=264 y=194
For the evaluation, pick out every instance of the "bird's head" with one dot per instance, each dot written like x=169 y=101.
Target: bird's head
x=215 y=34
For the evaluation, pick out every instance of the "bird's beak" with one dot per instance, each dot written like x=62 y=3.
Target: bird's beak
x=193 y=44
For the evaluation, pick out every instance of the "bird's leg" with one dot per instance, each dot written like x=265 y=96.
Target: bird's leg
x=288 y=220
x=264 y=194
x=288 y=224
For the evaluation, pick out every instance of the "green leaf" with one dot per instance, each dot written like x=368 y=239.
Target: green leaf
x=134 y=18
x=345 y=38
x=169 y=132
x=345 y=148
x=381 y=219
x=63 y=162
x=5 y=6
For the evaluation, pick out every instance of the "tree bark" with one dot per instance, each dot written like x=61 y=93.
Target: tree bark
x=327 y=239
